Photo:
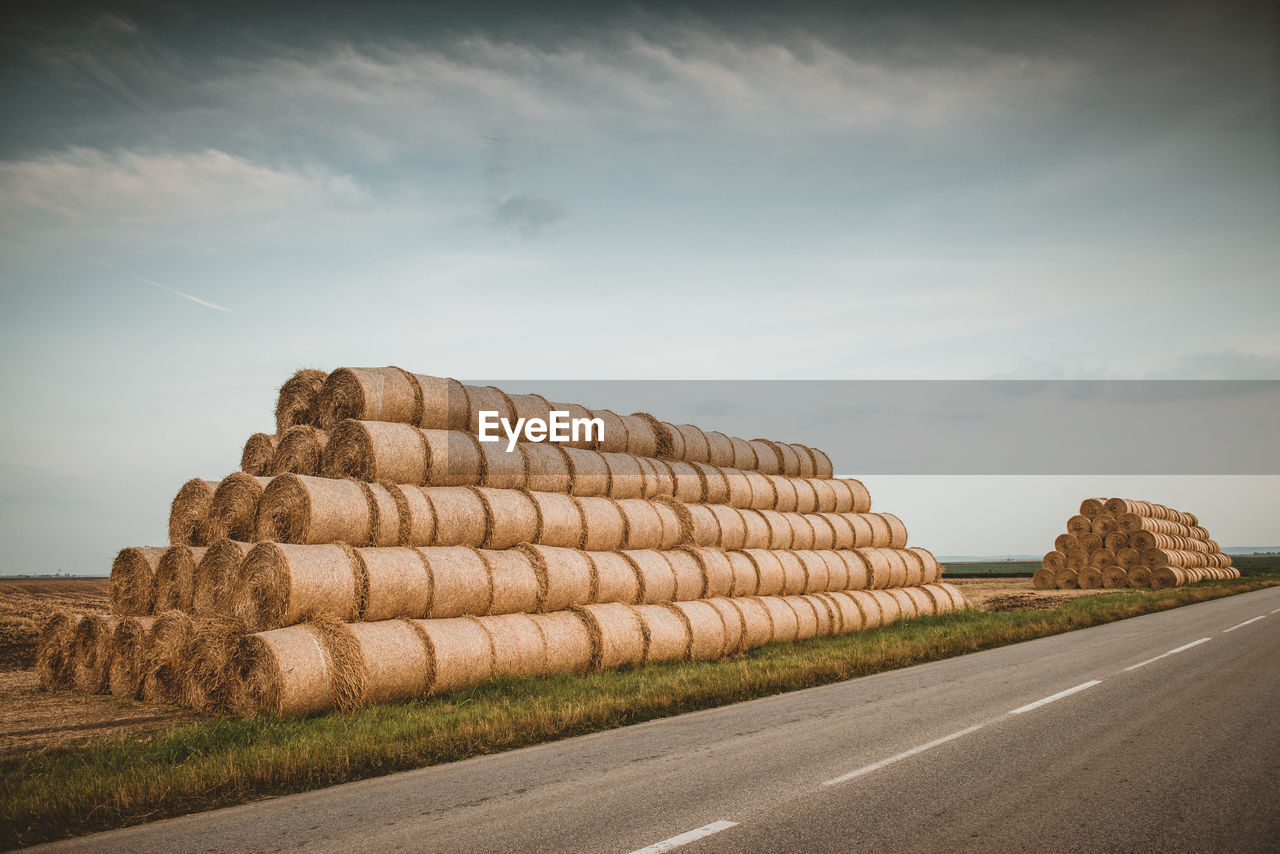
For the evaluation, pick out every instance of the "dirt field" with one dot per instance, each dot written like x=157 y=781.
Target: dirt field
x=25 y=603
x=1010 y=594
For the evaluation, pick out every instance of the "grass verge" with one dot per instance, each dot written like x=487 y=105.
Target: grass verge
x=127 y=780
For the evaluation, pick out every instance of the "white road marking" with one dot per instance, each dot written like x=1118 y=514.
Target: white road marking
x=1058 y=696
x=686 y=837
x=1276 y=611
x=1170 y=652
x=1245 y=623
x=875 y=766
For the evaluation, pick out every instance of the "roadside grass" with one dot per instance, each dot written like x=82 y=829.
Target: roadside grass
x=223 y=761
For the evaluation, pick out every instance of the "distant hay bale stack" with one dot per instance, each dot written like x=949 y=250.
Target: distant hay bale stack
x=299 y=451
x=461 y=652
x=666 y=634
x=617 y=634
x=281 y=585
x=397 y=582
x=259 y=451
x=380 y=452
x=614 y=579
x=91 y=648
x=304 y=510
x=133 y=580
x=54 y=662
x=460 y=581
x=234 y=508
x=171 y=637
x=214 y=576
x=296 y=401
x=189 y=513
x=176 y=578
x=519 y=649
x=369 y=394
x=132 y=647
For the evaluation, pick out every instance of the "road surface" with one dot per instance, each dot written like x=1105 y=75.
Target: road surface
x=1158 y=733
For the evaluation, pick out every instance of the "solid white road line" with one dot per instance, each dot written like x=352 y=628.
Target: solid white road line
x=1276 y=611
x=1058 y=696
x=1170 y=652
x=875 y=766
x=1245 y=623
x=685 y=838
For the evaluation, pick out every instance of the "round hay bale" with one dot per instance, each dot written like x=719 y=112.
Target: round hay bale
x=54 y=661
x=932 y=569
x=770 y=575
x=822 y=467
x=716 y=570
x=461 y=652
x=519 y=648
x=738 y=491
x=807 y=464
x=176 y=578
x=369 y=394
x=692 y=441
x=444 y=403
x=568 y=644
x=514 y=580
x=730 y=527
x=890 y=607
x=649 y=524
x=808 y=624
x=687 y=483
x=690 y=581
x=1067 y=579
x=614 y=436
x=788 y=463
x=1114 y=577
x=642 y=437
x=1079 y=525
x=397 y=661
x=897 y=531
x=618 y=635
x=1089 y=578
x=915 y=568
x=1054 y=561
x=897 y=568
x=294 y=671
x=1103 y=524
x=1090 y=543
x=859 y=570
x=666 y=635
x=922 y=602
x=296 y=402
x=1128 y=558
x=453 y=459
x=547 y=467
x=670 y=443
x=626 y=477
x=861 y=497
x=215 y=574
x=1101 y=559
x=416 y=515
x=207 y=676
x=782 y=618
x=305 y=510
x=763 y=494
x=745 y=578
x=1115 y=541
x=374 y=451
x=509 y=516
x=281 y=585
x=757 y=624
x=942 y=603
x=589 y=473
x=1119 y=506
x=659 y=482
x=780 y=531
x=233 y=509
x=756 y=531
x=384 y=510
x=958 y=601
x=171 y=637
x=654 y=575
x=850 y=616
x=460 y=582
x=879 y=569
x=461 y=515
x=1077 y=560
x=614 y=579
x=503 y=469
x=528 y=406
x=786 y=499
x=92 y=645
x=398 y=583
x=1066 y=543
x=864 y=535
x=705 y=625
x=712 y=483
x=838 y=575
x=131 y=644
x=560 y=519
x=1091 y=507
x=133 y=580
x=1165 y=577
x=843 y=496
x=189 y=513
x=825 y=495
x=564 y=576
x=802 y=531
x=735 y=625
x=806 y=495
x=768 y=459
x=604 y=527
x=828 y=616
x=843 y=532
x=1044 y=579
x=869 y=606
x=719 y=449
x=813 y=577
x=300 y=451
x=744 y=455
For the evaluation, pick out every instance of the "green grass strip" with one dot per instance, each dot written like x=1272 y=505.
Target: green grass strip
x=198 y=766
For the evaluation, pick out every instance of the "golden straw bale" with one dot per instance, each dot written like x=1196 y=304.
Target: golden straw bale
x=713 y=483
x=803 y=534
x=461 y=652
x=785 y=496
x=757 y=533
x=746 y=576
x=617 y=634
x=133 y=580
x=519 y=648
x=560 y=520
x=131 y=646
x=300 y=450
x=296 y=402
x=666 y=634
x=207 y=678
x=705 y=624
x=564 y=576
x=879 y=570
x=807 y=620
x=890 y=608
x=416 y=515
x=626 y=477
x=54 y=661
x=794 y=576
x=806 y=496
x=923 y=601
x=396 y=661
x=720 y=449
x=690 y=581
x=189 y=513
x=282 y=585
x=234 y=508
x=547 y=467
x=444 y=403
x=872 y=615
x=568 y=644
x=654 y=575
x=369 y=394
x=770 y=574
x=297 y=670
x=171 y=636
x=503 y=469
x=376 y=451
x=589 y=473
x=215 y=574
x=782 y=618
x=703 y=525
x=461 y=515
x=824 y=534
x=848 y=616
x=314 y=510
x=398 y=583
x=175 y=578
x=816 y=576
x=514 y=579
x=715 y=568
x=688 y=485
x=614 y=579
x=604 y=527
x=781 y=533
x=384 y=510
x=510 y=517
x=649 y=524
x=659 y=482
x=460 y=582
x=807 y=465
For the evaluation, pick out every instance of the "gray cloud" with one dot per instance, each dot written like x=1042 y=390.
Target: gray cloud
x=527 y=215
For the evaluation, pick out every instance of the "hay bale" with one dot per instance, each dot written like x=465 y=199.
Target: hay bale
x=1066 y=543
x=626 y=477
x=757 y=534
x=131 y=642
x=369 y=394
x=90 y=651
x=848 y=616
x=1089 y=578
x=1115 y=541
x=288 y=671
x=444 y=403
x=299 y=451
x=869 y=607
x=397 y=582
x=374 y=451
x=564 y=576
x=460 y=652
x=509 y=517
x=783 y=620
x=1067 y=579
x=733 y=622
x=460 y=581
x=790 y=460
x=589 y=473
x=519 y=648
x=879 y=570
x=654 y=575
x=844 y=535
x=560 y=519
x=1101 y=559
x=384 y=513
x=234 y=508
x=642 y=436
x=215 y=574
x=802 y=530
x=784 y=491
x=897 y=531
x=54 y=661
x=739 y=490
x=666 y=634
x=702 y=524
x=171 y=637
x=1054 y=561
x=1114 y=577
x=897 y=568
x=858 y=569
x=396 y=658
x=1044 y=579
x=915 y=568
x=614 y=439
x=503 y=469
x=768 y=460
x=547 y=467
x=803 y=572
x=808 y=623
x=1079 y=525
x=453 y=459
x=1165 y=577
x=942 y=603
x=924 y=605
x=568 y=644
x=282 y=585
x=414 y=513
x=617 y=634
x=709 y=637
x=614 y=579
x=822 y=467
x=890 y=607
x=762 y=493
x=604 y=527
x=133 y=580
x=715 y=568
x=461 y=515
x=189 y=513
x=807 y=465
x=825 y=494
x=770 y=576
x=303 y=510
x=694 y=443
x=176 y=578
x=690 y=581
x=206 y=675
x=514 y=580
x=659 y=482
x=746 y=577
x=713 y=484
x=687 y=483
x=649 y=524
x=719 y=448
x=806 y=496
x=781 y=533
x=296 y=402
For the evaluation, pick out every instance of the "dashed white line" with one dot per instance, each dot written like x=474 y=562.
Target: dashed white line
x=686 y=837
x=1245 y=623
x=1058 y=696
x=1185 y=646
x=1276 y=611
x=875 y=766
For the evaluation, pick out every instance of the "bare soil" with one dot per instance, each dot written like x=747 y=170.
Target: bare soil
x=1011 y=594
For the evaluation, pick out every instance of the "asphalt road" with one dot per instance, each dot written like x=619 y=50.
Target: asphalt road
x=1180 y=753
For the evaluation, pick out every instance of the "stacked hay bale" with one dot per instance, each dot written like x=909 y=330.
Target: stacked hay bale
x=1119 y=542
x=374 y=549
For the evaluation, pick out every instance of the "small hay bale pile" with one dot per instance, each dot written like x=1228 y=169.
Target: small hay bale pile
x=373 y=549
x=1119 y=542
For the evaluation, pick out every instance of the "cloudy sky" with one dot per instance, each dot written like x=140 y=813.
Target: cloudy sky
x=196 y=201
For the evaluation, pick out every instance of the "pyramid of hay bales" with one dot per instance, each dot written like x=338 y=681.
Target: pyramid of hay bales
x=1118 y=542
x=373 y=549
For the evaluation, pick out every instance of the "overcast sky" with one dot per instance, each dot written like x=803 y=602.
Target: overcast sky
x=196 y=202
